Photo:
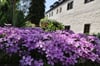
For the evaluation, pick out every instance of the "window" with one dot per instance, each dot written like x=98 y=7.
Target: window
x=87 y=1
x=67 y=27
x=70 y=5
x=46 y=15
x=60 y=9
x=87 y=28
x=49 y=15
x=57 y=11
x=52 y=13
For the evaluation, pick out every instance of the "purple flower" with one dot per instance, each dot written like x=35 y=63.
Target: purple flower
x=61 y=46
x=26 y=60
x=38 y=63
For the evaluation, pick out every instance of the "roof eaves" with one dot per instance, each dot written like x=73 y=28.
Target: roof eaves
x=56 y=4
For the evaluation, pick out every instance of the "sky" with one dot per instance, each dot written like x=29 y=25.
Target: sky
x=49 y=3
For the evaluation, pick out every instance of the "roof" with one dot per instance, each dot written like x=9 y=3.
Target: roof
x=56 y=4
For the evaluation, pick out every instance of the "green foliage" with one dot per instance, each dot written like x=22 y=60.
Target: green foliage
x=9 y=14
x=29 y=24
x=7 y=60
x=2 y=18
x=50 y=25
x=19 y=19
x=97 y=35
x=2 y=2
x=36 y=11
x=4 y=11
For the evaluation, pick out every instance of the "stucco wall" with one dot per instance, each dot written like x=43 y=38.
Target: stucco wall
x=81 y=14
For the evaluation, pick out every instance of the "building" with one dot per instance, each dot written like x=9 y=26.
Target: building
x=81 y=16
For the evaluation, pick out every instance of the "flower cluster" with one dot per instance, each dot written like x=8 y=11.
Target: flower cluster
x=36 y=47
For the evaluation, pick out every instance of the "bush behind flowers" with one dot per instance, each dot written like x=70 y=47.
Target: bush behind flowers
x=51 y=25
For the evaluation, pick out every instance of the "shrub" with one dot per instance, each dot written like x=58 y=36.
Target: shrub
x=29 y=24
x=35 y=47
x=50 y=25
x=97 y=35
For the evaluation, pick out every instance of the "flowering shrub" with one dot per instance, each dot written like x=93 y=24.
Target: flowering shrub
x=35 y=47
x=51 y=25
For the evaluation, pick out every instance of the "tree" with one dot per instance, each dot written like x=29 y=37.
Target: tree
x=36 y=11
x=10 y=14
x=4 y=10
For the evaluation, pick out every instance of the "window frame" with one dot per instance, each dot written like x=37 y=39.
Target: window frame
x=67 y=27
x=57 y=11
x=87 y=28
x=70 y=5
x=88 y=1
x=60 y=9
x=52 y=13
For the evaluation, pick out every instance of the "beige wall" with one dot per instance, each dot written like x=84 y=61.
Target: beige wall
x=80 y=14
